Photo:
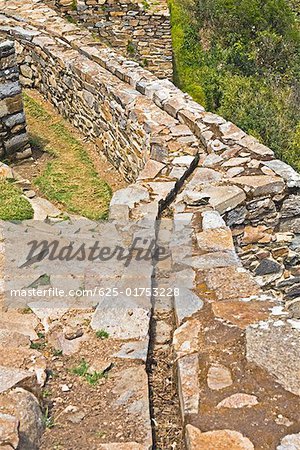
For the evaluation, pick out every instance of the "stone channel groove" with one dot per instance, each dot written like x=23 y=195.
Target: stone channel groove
x=236 y=333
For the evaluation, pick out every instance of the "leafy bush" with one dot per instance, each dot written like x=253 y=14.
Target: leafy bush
x=241 y=58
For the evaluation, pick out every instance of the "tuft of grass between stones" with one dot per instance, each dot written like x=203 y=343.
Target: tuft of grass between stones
x=13 y=206
x=102 y=334
x=70 y=178
x=82 y=371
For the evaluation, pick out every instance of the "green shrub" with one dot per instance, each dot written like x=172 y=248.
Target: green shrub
x=240 y=58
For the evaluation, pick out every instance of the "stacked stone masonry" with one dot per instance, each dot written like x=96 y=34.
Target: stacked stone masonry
x=140 y=30
x=14 y=141
x=235 y=228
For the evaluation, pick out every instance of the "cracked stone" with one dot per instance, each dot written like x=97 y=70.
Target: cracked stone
x=9 y=434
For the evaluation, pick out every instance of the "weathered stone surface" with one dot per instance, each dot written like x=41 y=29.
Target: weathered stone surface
x=211 y=220
x=218 y=377
x=188 y=384
x=131 y=392
x=185 y=338
x=268 y=266
x=276 y=348
x=130 y=196
x=291 y=177
x=9 y=434
x=242 y=314
x=261 y=184
x=239 y=400
x=122 y=320
x=290 y=442
x=222 y=198
x=25 y=407
x=134 y=350
x=122 y=446
x=187 y=303
x=24 y=358
x=231 y=283
x=215 y=240
x=20 y=323
x=10 y=377
x=13 y=339
x=290 y=206
x=254 y=234
x=216 y=440
x=151 y=169
x=163 y=332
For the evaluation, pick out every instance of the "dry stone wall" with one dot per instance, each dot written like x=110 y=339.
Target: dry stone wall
x=140 y=30
x=233 y=203
x=14 y=141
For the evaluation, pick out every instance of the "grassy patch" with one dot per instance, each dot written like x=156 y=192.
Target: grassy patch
x=70 y=178
x=13 y=206
x=102 y=334
x=83 y=371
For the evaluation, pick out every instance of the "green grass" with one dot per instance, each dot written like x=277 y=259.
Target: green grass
x=240 y=59
x=83 y=371
x=13 y=206
x=70 y=178
x=102 y=334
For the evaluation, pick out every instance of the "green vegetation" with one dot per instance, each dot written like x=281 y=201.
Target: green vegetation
x=69 y=178
x=83 y=371
x=48 y=420
x=241 y=59
x=102 y=334
x=13 y=206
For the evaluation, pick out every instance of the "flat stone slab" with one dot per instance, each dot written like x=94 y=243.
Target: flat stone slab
x=260 y=185
x=10 y=377
x=216 y=240
x=133 y=350
x=122 y=319
x=187 y=303
x=239 y=400
x=290 y=176
x=276 y=349
x=216 y=440
x=188 y=384
x=221 y=198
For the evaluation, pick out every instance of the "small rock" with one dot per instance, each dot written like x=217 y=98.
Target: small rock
x=65 y=388
x=268 y=266
x=281 y=420
x=218 y=377
x=30 y=194
x=238 y=401
x=290 y=442
x=74 y=334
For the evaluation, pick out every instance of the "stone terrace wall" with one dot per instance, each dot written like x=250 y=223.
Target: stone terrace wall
x=140 y=30
x=134 y=117
x=14 y=141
